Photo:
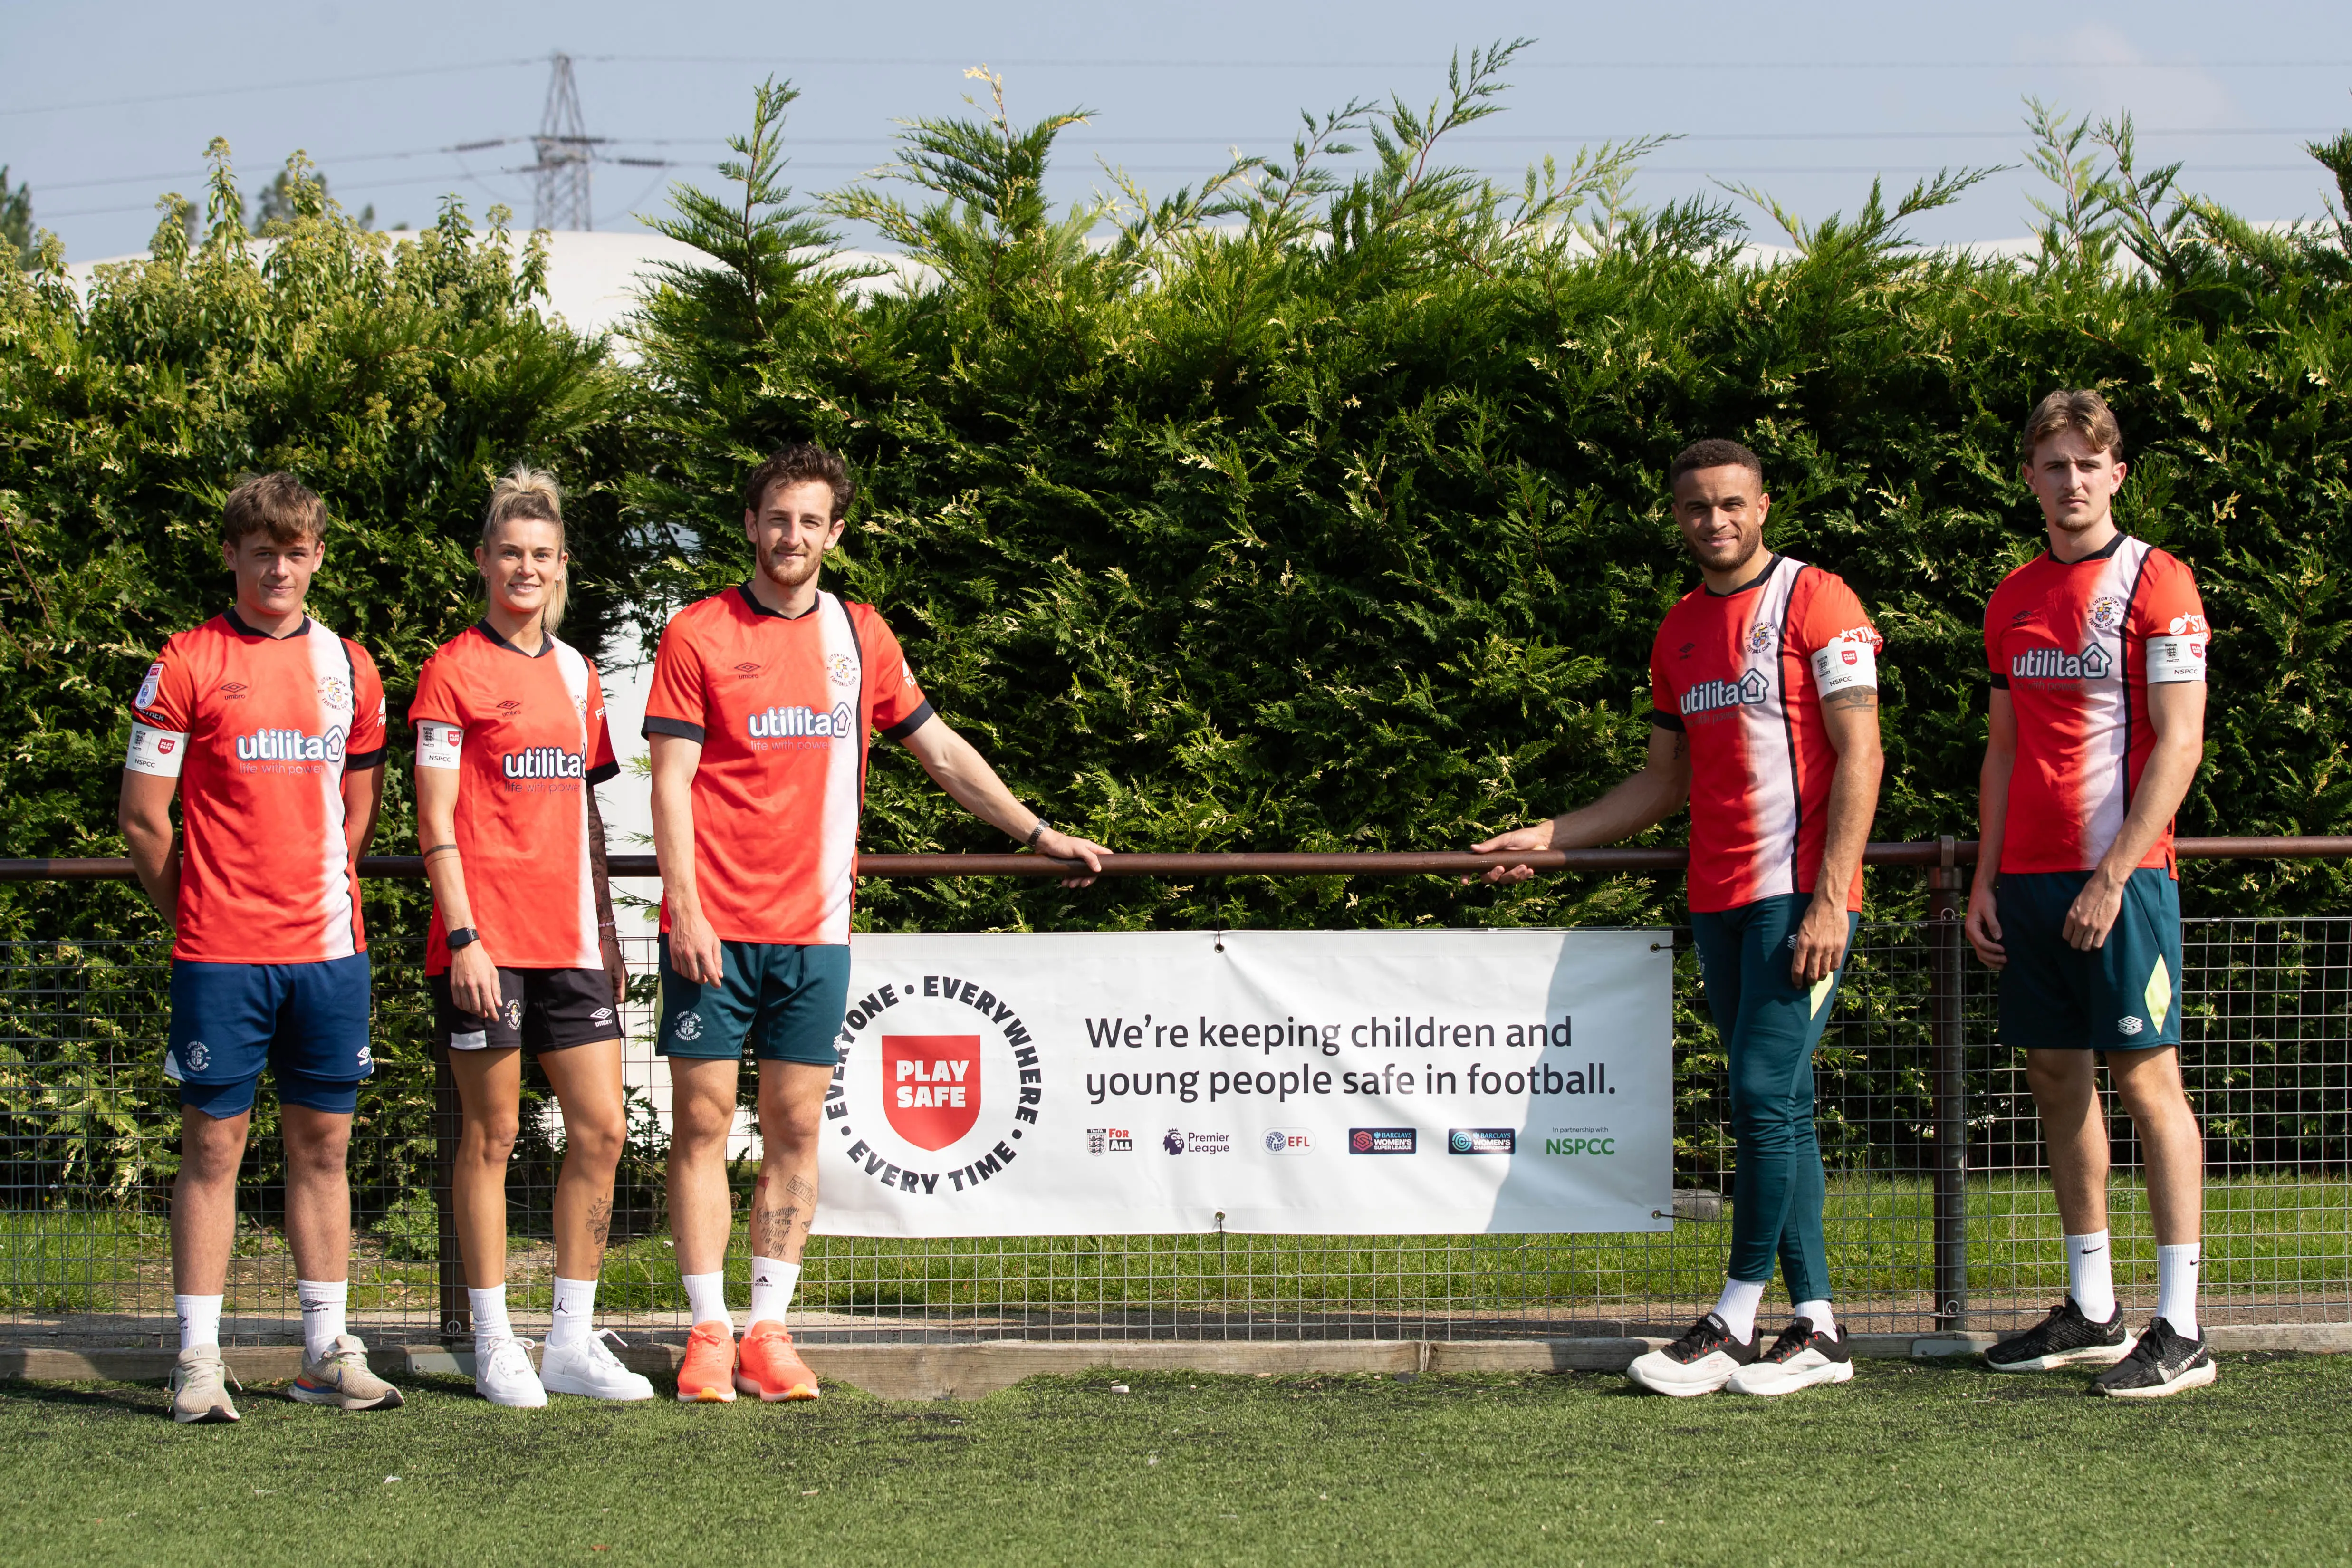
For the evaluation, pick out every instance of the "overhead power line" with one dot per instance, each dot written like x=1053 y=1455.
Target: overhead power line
x=564 y=155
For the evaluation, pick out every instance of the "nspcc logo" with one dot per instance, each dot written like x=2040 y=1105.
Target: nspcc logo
x=939 y=1084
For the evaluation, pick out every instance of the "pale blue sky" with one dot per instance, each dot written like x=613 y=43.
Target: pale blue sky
x=110 y=105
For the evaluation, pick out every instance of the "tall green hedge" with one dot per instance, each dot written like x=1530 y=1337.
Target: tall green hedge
x=1293 y=510
x=1311 y=513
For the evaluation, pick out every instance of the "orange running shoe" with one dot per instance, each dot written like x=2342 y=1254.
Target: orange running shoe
x=707 y=1376
x=770 y=1367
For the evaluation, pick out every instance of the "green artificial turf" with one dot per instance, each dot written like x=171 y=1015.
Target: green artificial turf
x=1910 y=1462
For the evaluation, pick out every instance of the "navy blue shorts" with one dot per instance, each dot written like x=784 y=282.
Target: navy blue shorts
x=786 y=1001
x=306 y=1023
x=2123 y=997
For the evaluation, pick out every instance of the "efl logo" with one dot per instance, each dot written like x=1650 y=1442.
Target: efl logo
x=1382 y=1139
x=933 y=1084
x=1482 y=1141
x=1287 y=1141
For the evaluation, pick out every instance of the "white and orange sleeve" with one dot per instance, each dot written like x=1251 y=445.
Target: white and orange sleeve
x=161 y=714
x=2172 y=623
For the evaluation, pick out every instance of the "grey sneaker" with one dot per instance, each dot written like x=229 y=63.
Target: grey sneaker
x=199 y=1387
x=341 y=1378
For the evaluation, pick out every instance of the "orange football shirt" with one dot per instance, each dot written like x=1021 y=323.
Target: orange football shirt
x=782 y=706
x=526 y=734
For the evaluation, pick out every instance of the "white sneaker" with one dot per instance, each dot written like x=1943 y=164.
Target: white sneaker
x=591 y=1368
x=1701 y=1362
x=502 y=1376
x=1801 y=1357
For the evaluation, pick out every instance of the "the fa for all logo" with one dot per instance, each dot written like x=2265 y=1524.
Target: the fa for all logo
x=939 y=1084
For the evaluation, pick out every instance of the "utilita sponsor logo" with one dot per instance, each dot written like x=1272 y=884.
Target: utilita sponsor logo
x=542 y=762
x=2048 y=664
x=1382 y=1139
x=1748 y=691
x=289 y=746
x=801 y=723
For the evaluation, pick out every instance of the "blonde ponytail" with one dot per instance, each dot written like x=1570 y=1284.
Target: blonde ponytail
x=528 y=492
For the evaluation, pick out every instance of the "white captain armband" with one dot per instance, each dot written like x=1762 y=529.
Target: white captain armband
x=437 y=744
x=2176 y=656
x=155 y=751
x=1846 y=665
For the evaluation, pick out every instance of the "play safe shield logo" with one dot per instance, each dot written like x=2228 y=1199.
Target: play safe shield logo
x=931 y=1085
x=938 y=1083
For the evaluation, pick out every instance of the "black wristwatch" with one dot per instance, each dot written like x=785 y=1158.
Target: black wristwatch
x=464 y=936
x=1037 y=832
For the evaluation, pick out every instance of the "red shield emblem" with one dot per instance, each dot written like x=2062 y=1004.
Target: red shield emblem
x=1851 y=656
x=931 y=1087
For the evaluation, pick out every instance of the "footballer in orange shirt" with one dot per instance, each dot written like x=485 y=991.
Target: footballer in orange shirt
x=763 y=703
x=270 y=728
x=1764 y=719
x=521 y=956
x=2096 y=727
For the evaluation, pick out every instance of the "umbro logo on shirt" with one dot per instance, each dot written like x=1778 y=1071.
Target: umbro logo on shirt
x=510 y=707
x=1687 y=650
x=234 y=690
x=745 y=669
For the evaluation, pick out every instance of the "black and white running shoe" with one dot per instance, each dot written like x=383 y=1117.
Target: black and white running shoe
x=2162 y=1363
x=2064 y=1338
x=1801 y=1357
x=1701 y=1362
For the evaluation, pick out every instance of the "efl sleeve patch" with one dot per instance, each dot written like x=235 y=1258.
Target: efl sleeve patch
x=438 y=745
x=1846 y=665
x=156 y=753
x=2175 y=656
x=149 y=687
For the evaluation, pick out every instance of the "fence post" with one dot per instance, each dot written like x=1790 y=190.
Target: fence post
x=1948 y=1079
x=449 y=1268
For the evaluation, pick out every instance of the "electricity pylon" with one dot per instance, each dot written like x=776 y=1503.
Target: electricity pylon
x=566 y=155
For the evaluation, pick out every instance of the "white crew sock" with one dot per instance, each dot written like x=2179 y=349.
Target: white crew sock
x=1736 y=1307
x=1818 y=1313
x=199 y=1319
x=706 y=1298
x=489 y=1306
x=574 y=1314
x=322 y=1313
x=2091 y=1275
x=772 y=1282
x=2175 y=1287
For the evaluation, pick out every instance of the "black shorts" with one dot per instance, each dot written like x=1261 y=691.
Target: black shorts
x=541 y=1010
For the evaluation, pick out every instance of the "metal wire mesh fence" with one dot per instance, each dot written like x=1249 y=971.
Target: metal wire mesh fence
x=1938 y=1213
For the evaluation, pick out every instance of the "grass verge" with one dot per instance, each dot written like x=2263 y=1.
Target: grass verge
x=1923 y=1462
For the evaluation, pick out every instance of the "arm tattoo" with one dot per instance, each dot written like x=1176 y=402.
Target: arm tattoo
x=1859 y=696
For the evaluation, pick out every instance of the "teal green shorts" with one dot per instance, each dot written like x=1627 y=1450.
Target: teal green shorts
x=2123 y=997
x=786 y=1003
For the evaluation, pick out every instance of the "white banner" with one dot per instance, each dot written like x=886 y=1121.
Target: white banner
x=1314 y=1082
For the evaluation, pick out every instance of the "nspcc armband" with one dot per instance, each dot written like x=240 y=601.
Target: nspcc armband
x=158 y=753
x=1846 y=665
x=438 y=745
x=2176 y=656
